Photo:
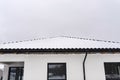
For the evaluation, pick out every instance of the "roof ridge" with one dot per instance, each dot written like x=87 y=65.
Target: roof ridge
x=42 y=38
x=91 y=39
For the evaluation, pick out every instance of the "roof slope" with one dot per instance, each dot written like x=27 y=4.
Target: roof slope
x=61 y=43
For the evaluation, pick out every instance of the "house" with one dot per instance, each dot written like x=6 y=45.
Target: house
x=60 y=58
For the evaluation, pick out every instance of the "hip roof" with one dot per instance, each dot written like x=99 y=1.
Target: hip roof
x=63 y=42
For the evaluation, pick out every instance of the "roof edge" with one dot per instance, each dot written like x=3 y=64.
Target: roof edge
x=29 y=51
x=42 y=38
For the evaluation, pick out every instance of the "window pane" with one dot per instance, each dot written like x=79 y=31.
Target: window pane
x=20 y=73
x=56 y=71
x=15 y=73
x=12 y=73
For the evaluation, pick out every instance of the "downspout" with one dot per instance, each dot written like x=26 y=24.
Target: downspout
x=84 y=72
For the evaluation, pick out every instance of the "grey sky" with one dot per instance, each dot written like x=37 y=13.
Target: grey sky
x=27 y=19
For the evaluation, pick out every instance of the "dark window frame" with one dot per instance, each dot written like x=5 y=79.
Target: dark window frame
x=56 y=63
x=114 y=69
x=16 y=73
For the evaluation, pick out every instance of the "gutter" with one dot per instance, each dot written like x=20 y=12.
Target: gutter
x=84 y=72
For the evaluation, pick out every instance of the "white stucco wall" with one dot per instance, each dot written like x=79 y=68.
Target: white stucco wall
x=95 y=65
x=35 y=65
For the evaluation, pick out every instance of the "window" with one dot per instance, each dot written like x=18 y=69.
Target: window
x=56 y=71
x=15 y=73
x=112 y=71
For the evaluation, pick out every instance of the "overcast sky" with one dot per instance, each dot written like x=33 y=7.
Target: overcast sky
x=27 y=19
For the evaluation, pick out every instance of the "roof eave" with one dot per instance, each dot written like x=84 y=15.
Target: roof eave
x=4 y=51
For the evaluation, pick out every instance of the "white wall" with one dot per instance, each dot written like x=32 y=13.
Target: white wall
x=35 y=65
x=95 y=65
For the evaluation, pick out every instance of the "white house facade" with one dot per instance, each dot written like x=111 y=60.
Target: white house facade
x=60 y=58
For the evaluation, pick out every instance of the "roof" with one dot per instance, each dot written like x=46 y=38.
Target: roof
x=63 y=42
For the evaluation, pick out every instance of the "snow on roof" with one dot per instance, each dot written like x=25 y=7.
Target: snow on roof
x=63 y=42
